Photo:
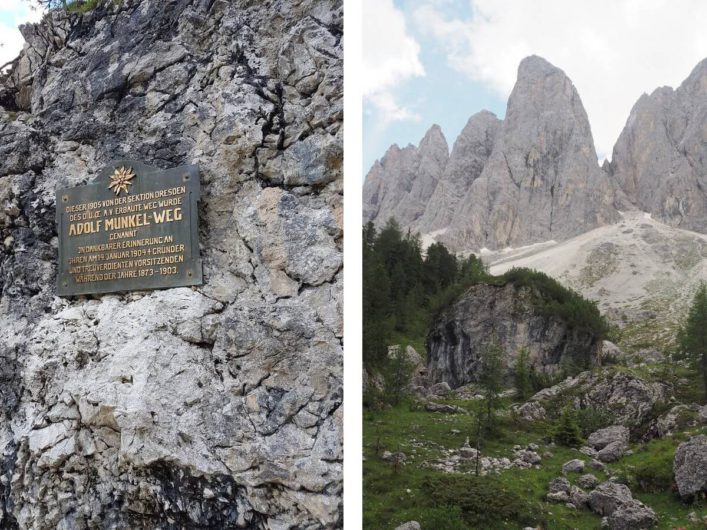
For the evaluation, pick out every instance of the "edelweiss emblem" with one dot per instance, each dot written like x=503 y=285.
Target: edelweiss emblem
x=120 y=180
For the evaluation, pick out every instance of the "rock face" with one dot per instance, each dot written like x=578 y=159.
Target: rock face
x=212 y=407
x=542 y=180
x=400 y=185
x=660 y=158
x=690 y=466
x=462 y=332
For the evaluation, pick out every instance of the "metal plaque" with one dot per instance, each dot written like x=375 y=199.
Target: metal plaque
x=134 y=227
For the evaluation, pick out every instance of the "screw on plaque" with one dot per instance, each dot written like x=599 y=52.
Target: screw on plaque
x=186 y=177
x=65 y=198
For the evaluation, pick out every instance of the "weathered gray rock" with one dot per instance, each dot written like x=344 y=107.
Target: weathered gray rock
x=447 y=409
x=410 y=525
x=578 y=497
x=690 y=466
x=632 y=516
x=400 y=185
x=530 y=411
x=218 y=406
x=484 y=313
x=660 y=158
x=702 y=414
x=559 y=484
x=610 y=442
x=588 y=481
x=623 y=512
x=678 y=417
x=608 y=496
x=628 y=399
x=573 y=466
x=542 y=180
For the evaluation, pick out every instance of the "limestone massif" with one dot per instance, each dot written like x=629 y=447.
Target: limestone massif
x=218 y=406
x=660 y=158
x=534 y=176
x=508 y=316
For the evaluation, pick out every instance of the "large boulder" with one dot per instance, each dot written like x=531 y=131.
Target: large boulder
x=678 y=417
x=410 y=525
x=573 y=466
x=623 y=512
x=690 y=466
x=511 y=316
x=610 y=443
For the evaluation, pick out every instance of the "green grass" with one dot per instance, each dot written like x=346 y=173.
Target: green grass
x=437 y=500
x=649 y=474
x=78 y=6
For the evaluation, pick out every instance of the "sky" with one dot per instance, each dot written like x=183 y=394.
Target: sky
x=12 y=14
x=441 y=61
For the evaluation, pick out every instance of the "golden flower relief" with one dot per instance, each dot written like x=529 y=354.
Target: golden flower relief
x=120 y=180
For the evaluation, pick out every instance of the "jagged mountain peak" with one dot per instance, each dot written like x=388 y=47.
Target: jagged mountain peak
x=536 y=66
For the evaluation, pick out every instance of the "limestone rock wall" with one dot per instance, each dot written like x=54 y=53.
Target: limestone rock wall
x=218 y=406
x=506 y=314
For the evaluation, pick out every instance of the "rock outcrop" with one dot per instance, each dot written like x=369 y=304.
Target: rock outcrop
x=660 y=158
x=690 y=466
x=400 y=185
x=624 y=398
x=212 y=407
x=508 y=315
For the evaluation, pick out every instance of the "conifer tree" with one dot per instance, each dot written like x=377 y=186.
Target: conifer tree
x=692 y=336
x=568 y=432
x=523 y=380
x=491 y=378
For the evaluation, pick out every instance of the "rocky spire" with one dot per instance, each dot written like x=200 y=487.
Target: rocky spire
x=469 y=155
x=402 y=182
x=542 y=180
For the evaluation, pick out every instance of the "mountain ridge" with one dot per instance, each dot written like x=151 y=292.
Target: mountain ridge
x=555 y=150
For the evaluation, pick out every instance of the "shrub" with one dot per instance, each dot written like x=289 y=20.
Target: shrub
x=482 y=501
x=552 y=298
x=590 y=419
x=567 y=432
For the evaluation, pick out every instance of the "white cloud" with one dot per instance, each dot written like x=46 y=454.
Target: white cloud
x=12 y=14
x=613 y=50
x=390 y=57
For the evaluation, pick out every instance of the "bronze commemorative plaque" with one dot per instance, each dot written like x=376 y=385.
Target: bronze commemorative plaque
x=134 y=227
